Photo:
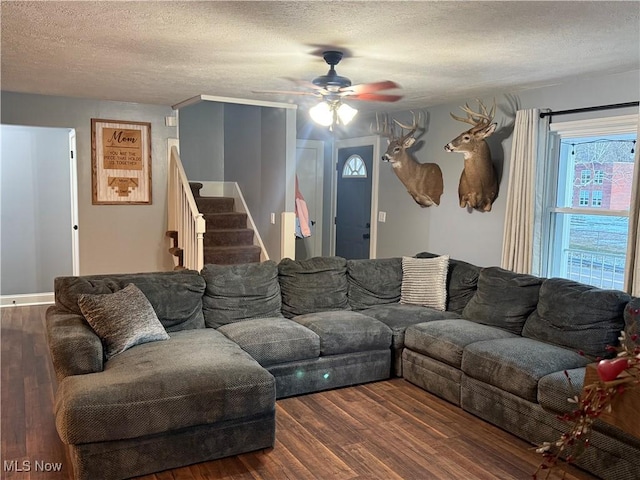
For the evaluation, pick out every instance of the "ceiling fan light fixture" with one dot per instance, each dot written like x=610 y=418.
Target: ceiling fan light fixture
x=322 y=114
x=346 y=113
x=328 y=113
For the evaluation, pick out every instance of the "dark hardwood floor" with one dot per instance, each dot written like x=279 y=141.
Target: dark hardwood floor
x=384 y=430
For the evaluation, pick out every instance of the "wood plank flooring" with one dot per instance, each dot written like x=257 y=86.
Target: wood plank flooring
x=384 y=430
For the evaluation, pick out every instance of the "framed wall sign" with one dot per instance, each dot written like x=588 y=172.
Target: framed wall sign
x=120 y=162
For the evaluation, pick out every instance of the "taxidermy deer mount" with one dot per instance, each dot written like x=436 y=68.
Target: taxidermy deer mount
x=423 y=180
x=478 y=186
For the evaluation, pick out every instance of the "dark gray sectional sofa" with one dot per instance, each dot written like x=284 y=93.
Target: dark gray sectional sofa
x=242 y=336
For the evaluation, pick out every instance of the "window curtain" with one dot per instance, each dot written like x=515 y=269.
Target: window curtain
x=523 y=219
x=632 y=270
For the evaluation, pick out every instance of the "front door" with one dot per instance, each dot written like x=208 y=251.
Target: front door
x=353 y=202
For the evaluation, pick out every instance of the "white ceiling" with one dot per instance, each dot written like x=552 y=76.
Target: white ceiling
x=438 y=51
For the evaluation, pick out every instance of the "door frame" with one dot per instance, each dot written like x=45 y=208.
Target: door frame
x=373 y=141
x=318 y=147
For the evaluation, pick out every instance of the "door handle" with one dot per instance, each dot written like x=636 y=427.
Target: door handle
x=366 y=236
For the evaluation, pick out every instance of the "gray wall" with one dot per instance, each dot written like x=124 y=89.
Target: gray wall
x=36 y=209
x=448 y=229
x=113 y=238
x=255 y=157
x=202 y=141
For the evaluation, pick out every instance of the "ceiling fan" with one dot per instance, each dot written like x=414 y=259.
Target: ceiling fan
x=333 y=86
x=332 y=89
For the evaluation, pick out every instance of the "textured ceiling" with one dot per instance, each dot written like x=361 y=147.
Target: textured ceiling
x=438 y=51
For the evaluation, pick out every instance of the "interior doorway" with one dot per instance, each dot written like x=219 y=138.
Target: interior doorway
x=310 y=173
x=39 y=212
x=356 y=197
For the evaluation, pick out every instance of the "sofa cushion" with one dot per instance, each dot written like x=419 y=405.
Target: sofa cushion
x=274 y=340
x=176 y=296
x=424 y=281
x=444 y=340
x=577 y=316
x=346 y=332
x=504 y=299
x=399 y=316
x=197 y=377
x=122 y=319
x=462 y=282
x=517 y=364
x=240 y=292
x=555 y=389
x=374 y=282
x=318 y=284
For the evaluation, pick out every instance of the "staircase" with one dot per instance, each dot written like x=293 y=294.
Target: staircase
x=227 y=240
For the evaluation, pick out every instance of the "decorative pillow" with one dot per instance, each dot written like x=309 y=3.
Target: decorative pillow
x=424 y=281
x=462 y=282
x=240 y=292
x=122 y=319
x=504 y=299
x=374 y=282
x=314 y=285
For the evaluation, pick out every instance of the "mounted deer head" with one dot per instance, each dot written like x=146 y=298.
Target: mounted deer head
x=478 y=186
x=423 y=180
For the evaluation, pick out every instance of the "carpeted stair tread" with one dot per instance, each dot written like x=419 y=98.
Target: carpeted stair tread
x=227 y=237
x=195 y=188
x=216 y=221
x=215 y=204
x=232 y=255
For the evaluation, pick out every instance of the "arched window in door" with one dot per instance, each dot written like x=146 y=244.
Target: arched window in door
x=354 y=167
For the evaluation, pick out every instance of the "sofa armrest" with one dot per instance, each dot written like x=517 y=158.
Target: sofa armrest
x=74 y=346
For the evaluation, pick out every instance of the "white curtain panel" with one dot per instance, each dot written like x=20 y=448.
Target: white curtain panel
x=524 y=191
x=632 y=270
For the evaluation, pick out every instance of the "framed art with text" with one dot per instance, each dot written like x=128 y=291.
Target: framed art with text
x=120 y=162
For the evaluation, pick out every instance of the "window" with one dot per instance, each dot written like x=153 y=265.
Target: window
x=585 y=177
x=596 y=198
x=587 y=200
x=584 y=198
x=354 y=167
x=598 y=177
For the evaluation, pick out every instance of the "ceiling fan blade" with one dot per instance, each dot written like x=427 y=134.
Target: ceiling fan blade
x=304 y=83
x=286 y=92
x=371 y=87
x=375 y=97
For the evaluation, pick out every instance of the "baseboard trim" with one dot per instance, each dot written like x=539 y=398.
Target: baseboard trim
x=27 y=299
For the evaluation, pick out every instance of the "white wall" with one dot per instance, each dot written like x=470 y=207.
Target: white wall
x=113 y=238
x=448 y=229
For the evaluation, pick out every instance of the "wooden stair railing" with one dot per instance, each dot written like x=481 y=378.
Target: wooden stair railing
x=186 y=225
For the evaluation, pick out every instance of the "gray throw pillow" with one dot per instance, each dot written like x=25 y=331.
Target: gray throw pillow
x=424 y=281
x=122 y=319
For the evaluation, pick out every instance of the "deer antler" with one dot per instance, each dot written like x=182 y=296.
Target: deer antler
x=387 y=129
x=479 y=119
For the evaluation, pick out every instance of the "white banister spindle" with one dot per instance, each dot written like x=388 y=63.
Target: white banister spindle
x=183 y=215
